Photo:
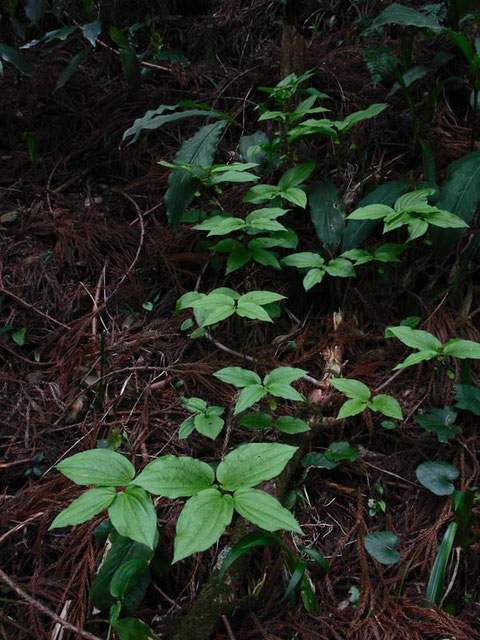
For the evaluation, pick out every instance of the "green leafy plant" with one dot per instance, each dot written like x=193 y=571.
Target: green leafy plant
x=206 y=420
x=286 y=424
x=441 y=422
x=428 y=346
x=377 y=504
x=468 y=398
x=209 y=509
x=277 y=383
x=288 y=188
x=336 y=453
x=360 y=398
x=317 y=267
x=222 y=303
x=411 y=210
x=383 y=254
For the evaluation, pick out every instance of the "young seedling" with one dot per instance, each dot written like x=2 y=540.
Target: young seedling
x=236 y=172
x=336 y=453
x=287 y=189
x=276 y=383
x=286 y=424
x=222 y=303
x=385 y=253
x=412 y=210
x=206 y=420
x=429 y=347
x=360 y=398
x=317 y=267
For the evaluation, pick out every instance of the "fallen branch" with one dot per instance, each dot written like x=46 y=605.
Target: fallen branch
x=45 y=610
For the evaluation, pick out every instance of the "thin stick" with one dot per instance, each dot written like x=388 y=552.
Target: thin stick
x=34 y=309
x=45 y=610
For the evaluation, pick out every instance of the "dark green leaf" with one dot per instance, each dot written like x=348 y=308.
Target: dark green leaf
x=381 y=545
x=9 y=54
x=468 y=398
x=405 y=17
x=132 y=70
x=91 y=31
x=85 y=507
x=460 y=196
x=199 y=149
x=133 y=629
x=327 y=212
x=437 y=477
x=70 y=69
x=254 y=539
x=126 y=576
x=441 y=422
x=437 y=575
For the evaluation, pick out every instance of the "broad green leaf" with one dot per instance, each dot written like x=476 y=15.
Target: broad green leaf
x=122 y=550
x=371 y=212
x=261 y=193
x=358 y=256
x=327 y=212
x=351 y=408
x=462 y=349
x=248 y=396
x=194 y=404
x=340 y=268
x=188 y=300
x=208 y=425
x=445 y=220
x=133 y=516
x=388 y=406
x=212 y=316
x=250 y=464
x=296 y=176
x=389 y=252
x=296 y=196
x=237 y=259
x=252 y=311
x=19 y=336
x=318 y=460
x=284 y=391
x=237 y=376
x=70 y=69
x=291 y=425
x=357 y=231
x=468 y=398
x=256 y=421
x=408 y=78
x=437 y=477
x=85 y=507
x=127 y=574
x=175 y=477
x=414 y=338
x=461 y=196
x=405 y=17
x=199 y=149
x=91 y=31
x=101 y=467
x=339 y=451
x=11 y=55
x=351 y=388
x=261 y=297
x=201 y=523
x=439 y=421
x=133 y=629
x=382 y=545
x=354 y=118
x=266 y=258
x=283 y=375
x=213 y=301
x=304 y=260
x=313 y=277
x=415 y=201
x=264 y=510
x=415 y=358
x=186 y=428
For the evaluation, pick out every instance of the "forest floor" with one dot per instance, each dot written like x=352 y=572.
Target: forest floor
x=84 y=244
